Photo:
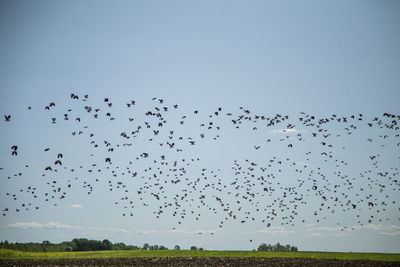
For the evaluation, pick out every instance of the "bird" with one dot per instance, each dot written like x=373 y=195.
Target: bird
x=256 y=190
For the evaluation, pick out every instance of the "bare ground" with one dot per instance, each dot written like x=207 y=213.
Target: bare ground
x=187 y=262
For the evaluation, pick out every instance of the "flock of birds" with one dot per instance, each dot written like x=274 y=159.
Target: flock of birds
x=155 y=162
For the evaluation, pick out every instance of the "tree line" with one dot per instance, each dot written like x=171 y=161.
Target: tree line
x=277 y=247
x=77 y=244
x=83 y=244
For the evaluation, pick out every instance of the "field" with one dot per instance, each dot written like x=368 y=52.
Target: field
x=14 y=255
x=195 y=258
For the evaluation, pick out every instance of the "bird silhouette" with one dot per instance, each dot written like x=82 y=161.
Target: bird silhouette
x=171 y=179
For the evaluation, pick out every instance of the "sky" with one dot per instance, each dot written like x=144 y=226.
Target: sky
x=268 y=57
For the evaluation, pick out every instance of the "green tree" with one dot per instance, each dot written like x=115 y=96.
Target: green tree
x=177 y=247
x=106 y=244
x=145 y=246
x=262 y=247
x=276 y=247
x=193 y=248
x=119 y=246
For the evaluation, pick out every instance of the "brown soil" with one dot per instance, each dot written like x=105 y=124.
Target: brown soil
x=187 y=262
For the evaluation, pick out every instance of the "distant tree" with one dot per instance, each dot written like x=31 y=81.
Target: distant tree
x=119 y=246
x=279 y=247
x=177 y=247
x=145 y=246
x=200 y=249
x=81 y=244
x=276 y=247
x=106 y=244
x=162 y=248
x=262 y=247
x=77 y=244
x=46 y=243
x=193 y=248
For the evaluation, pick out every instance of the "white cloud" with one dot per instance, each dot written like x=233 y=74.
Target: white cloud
x=56 y=225
x=204 y=232
x=388 y=230
x=176 y=231
x=103 y=230
x=25 y=225
x=317 y=234
x=379 y=227
x=148 y=232
x=76 y=206
x=275 y=231
x=289 y=130
x=395 y=233
x=326 y=229
x=36 y=225
x=339 y=234
x=109 y=229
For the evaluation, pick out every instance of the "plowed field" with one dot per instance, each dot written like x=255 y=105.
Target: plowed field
x=195 y=261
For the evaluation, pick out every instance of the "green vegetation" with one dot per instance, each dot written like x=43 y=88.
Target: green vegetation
x=77 y=244
x=82 y=248
x=277 y=247
x=6 y=254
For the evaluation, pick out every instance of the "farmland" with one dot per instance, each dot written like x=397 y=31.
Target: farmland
x=196 y=258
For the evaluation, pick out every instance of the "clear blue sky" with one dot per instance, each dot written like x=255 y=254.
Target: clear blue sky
x=320 y=57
